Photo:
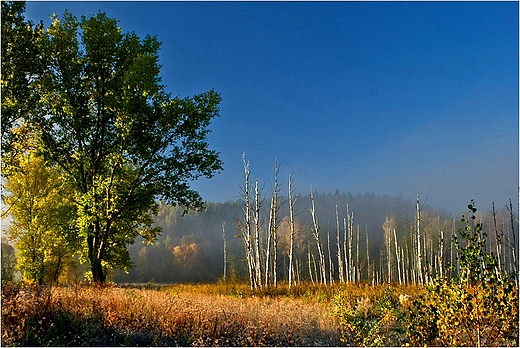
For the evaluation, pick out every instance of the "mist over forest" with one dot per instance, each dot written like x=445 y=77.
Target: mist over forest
x=190 y=248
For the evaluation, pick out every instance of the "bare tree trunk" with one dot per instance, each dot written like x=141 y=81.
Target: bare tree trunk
x=225 y=249
x=357 y=267
x=267 y=276
x=341 y=269
x=498 y=244
x=350 y=244
x=419 y=253
x=245 y=227
x=316 y=232
x=315 y=268
x=291 y=231
x=441 y=255
x=389 y=255
x=256 y=217
x=346 y=263
x=398 y=258
x=310 y=263
x=515 y=267
x=331 y=265
x=368 y=256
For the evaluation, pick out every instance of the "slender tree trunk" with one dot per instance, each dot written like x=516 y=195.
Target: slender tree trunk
x=310 y=262
x=345 y=239
x=498 y=244
x=315 y=267
x=225 y=249
x=341 y=269
x=258 y=264
x=397 y=255
x=331 y=265
x=358 y=268
x=419 y=253
x=441 y=255
x=368 y=255
x=350 y=232
x=316 y=232
x=291 y=231
x=245 y=228
x=515 y=267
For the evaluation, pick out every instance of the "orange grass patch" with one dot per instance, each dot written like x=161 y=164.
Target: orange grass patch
x=115 y=316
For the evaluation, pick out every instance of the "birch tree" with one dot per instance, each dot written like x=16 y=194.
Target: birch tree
x=291 y=230
x=341 y=268
x=246 y=225
x=419 y=265
x=275 y=221
x=225 y=249
x=316 y=233
x=256 y=244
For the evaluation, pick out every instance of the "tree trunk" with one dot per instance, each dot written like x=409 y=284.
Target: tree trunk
x=291 y=231
x=316 y=232
x=225 y=252
x=331 y=265
x=358 y=269
x=310 y=262
x=258 y=264
x=368 y=255
x=398 y=258
x=419 y=253
x=341 y=269
x=245 y=228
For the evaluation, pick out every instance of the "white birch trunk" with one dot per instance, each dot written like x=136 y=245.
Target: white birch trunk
x=418 y=240
x=397 y=255
x=258 y=271
x=291 y=231
x=316 y=232
x=341 y=269
x=357 y=268
x=225 y=249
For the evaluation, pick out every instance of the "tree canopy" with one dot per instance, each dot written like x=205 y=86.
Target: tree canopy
x=107 y=125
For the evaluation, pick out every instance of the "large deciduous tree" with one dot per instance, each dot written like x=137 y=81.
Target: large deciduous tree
x=120 y=141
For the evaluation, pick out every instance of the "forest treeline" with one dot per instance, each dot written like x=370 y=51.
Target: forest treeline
x=191 y=247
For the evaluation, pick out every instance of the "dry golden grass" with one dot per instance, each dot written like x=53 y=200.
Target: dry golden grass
x=115 y=316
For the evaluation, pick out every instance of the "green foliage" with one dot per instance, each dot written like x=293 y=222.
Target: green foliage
x=476 y=264
x=42 y=220
x=103 y=119
x=373 y=320
x=20 y=65
x=455 y=314
x=475 y=308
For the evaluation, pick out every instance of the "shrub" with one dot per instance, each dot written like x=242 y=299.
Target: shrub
x=373 y=320
x=476 y=307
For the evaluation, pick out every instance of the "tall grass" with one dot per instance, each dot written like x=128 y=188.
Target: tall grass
x=230 y=314
x=180 y=315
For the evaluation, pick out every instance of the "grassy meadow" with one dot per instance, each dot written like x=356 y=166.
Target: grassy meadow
x=233 y=315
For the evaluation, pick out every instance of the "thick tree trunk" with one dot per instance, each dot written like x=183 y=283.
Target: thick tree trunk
x=95 y=246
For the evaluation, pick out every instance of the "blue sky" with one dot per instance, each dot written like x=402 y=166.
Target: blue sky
x=384 y=97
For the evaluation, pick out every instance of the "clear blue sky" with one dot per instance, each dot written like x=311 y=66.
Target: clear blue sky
x=383 y=97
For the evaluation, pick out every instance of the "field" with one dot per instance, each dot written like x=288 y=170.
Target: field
x=233 y=315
